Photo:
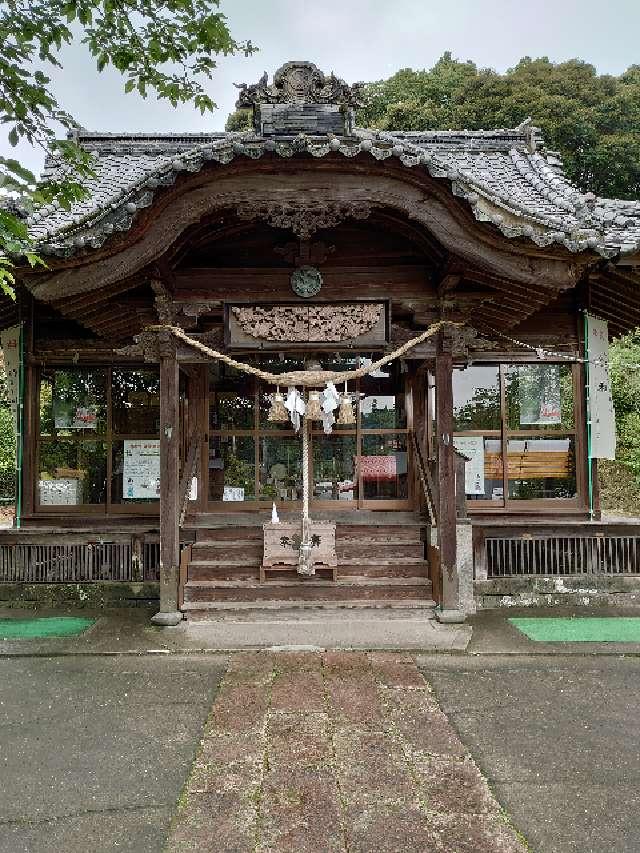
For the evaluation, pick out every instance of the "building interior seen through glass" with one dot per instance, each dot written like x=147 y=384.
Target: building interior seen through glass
x=98 y=440
x=515 y=425
x=252 y=458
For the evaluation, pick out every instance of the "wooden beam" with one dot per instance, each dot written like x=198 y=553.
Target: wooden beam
x=169 y=483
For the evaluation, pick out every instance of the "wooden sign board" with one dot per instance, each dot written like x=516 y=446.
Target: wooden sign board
x=322 y=325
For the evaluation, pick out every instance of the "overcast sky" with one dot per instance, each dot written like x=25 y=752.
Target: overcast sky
x=361 y=40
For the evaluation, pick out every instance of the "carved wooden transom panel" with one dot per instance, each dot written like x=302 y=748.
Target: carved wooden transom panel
x=309 y=323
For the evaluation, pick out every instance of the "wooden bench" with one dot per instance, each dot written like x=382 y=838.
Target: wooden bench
x=528 y=465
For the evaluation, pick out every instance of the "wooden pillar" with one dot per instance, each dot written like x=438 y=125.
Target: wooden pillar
x=169 y=484
x=449 y=611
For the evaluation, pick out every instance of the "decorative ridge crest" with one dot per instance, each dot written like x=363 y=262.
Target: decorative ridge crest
x=299 y=83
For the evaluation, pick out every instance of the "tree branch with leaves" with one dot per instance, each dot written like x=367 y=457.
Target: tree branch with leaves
x=168 y=48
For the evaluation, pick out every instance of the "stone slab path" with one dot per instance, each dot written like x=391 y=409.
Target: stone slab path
x=341 y=751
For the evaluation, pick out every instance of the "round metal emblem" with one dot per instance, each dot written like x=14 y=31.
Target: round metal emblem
x=306 y=281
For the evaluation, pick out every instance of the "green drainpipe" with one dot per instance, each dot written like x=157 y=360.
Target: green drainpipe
x=20 y=429
x=588 y=413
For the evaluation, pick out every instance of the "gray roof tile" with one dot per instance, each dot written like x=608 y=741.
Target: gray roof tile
x=503 y=174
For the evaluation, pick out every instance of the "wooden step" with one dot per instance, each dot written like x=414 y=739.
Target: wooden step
x=398 y=569
x=220 y=534
x=381 y=550
x=356 y=587
x=202 y=571
x=218 y=550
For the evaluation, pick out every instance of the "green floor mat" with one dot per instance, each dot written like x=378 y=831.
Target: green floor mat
x=580 y=629
x=33 y=629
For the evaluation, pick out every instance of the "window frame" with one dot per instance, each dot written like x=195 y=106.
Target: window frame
x=519 y=506
x=109 y=438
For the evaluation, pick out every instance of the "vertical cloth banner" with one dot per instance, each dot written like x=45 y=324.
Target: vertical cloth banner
x=601 y=413
x=10 y=343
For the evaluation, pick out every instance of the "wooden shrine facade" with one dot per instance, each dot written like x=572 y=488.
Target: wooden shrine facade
x=293 y=242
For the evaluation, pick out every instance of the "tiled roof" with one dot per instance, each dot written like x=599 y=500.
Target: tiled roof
x=505 y=175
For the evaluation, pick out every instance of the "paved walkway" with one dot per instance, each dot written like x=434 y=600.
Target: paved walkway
x=558 y=737
x=342 y=751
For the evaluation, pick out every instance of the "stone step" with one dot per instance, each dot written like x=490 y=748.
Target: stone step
x=356 y=587
x=355 y=609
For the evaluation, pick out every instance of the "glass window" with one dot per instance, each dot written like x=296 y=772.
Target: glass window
x=135 y=402
x=476 y=398
x=232 y=400
x=73 y=402
x=383 y=467
x=232 y=410
x=232 y=468
x=539 y=396
x=280 y=468
x=382 y=404
x=541 y=468
x=334 y=467
x=265 y=399
x=72 y=473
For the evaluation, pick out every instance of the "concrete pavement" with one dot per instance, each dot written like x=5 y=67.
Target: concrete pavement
x=558 y=738
x=94 y=751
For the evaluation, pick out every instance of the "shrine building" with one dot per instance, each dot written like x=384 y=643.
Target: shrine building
x=155 y=440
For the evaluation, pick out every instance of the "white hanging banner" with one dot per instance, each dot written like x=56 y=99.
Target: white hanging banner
x=10 y=342
x=601 y=413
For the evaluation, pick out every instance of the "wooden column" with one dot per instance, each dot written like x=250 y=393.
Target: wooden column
x=169 y=484
x=449 y=611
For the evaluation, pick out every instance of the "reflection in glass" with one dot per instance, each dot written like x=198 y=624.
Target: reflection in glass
x=476 y=398
x=334 y=470
x=231 y=410
x=232 y=469
x=73 y=402
x=135 y=402
x=72 y=473
x=541 y=468
x=540 y=396
x=280 y=468
x=382 y=399
x=383 y=467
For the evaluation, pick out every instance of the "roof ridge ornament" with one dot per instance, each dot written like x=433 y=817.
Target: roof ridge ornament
x=300 y=82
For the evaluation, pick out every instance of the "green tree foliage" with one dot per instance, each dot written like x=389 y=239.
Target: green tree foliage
x=239 y=120
x=592 y=120
x=165 y=47
x=624 y=364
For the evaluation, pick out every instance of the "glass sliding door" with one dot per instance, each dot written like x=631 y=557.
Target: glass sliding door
x=516 y=426
x=254 y=462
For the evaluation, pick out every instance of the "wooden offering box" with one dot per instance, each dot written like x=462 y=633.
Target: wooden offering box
x=282 y=545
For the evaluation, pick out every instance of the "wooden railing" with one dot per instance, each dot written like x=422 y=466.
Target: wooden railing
x=189 y=471
x=30 y=556
x=560 y=549
x=426 y=482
